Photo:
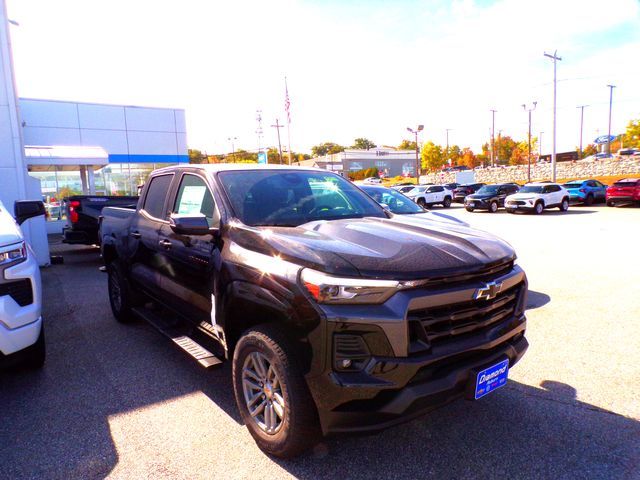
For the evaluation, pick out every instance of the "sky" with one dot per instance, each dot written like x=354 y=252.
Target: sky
x=359 y=68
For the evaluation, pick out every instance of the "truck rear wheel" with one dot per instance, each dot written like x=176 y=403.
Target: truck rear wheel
x=121 y=298
x=272 y=395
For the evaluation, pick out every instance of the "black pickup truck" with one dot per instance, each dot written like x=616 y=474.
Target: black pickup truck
x=337 y=315
x=83 y=216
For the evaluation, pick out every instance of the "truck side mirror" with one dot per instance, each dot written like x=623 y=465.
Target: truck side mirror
x=26 y=209
x=190 y=224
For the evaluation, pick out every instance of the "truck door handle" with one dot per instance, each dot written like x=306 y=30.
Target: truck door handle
x=165 y=243
x=136 y=234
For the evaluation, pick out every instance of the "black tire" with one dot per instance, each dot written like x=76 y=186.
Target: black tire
x=538 y=208
x=422 y=203
x=469 y=209
x=34 y=355
x=121 y=297
x=611 y=203
x=299 y=429
x=510 y=210
x=589 y=200
x=564 y=205
x=493 y=207
x=447 y=202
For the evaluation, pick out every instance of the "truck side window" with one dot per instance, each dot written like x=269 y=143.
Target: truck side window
x=194 y=197
x=156 y=195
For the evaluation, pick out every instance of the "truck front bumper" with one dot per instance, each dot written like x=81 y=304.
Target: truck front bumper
x=14 y=341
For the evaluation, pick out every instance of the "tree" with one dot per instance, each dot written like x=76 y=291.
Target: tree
x=432 y=156
x=407 y=145
x=468 y=158
x=326 y=148
x=363 y=144
x=590 y=149
x=452 y=154
x=632 y=135
x=196 y=156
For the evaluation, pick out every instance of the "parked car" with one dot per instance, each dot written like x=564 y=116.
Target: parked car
x=462 y=191
x=21 y=331
x=538 y=196
x=336 y=315
x=83 y=214
x=429 y=195
x=489 y=197
x=372 y=180
x=451 y=186
x=624 y=191
x=399 y=204
x=628 y=151
x=586 y=191
x=405 y=188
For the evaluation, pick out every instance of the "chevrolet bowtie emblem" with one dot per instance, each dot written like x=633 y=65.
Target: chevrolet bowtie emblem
x=489 y=291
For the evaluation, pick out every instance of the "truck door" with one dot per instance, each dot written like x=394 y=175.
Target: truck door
x=143 y=234
x=191 y=261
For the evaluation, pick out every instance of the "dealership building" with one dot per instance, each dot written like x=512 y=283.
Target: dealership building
x=388 y=160
x=50 y=149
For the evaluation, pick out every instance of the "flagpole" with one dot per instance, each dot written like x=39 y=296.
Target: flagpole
x=288 y=105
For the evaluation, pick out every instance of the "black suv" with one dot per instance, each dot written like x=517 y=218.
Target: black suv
x=462 y=191
x=337 y=315
x=490 y=197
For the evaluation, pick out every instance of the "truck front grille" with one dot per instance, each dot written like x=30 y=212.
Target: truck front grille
x=19 y=290
x=434 y=326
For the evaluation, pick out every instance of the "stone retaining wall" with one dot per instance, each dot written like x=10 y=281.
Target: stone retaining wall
x=564 y=170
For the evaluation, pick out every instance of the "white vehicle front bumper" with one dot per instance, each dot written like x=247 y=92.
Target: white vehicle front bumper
x=20 y=325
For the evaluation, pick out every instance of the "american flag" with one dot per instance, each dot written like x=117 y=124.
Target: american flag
x=287 y=102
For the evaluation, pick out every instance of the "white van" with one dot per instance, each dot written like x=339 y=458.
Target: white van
x=21 y=331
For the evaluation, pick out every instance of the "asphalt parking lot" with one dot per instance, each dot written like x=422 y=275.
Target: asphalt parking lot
x=121 y=401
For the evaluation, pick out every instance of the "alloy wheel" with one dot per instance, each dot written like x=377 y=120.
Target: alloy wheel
x=263 y=395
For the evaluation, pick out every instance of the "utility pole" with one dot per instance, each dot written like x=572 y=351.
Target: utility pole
x=277 y=126
x=493 y=131
x=555 y=59
x=448 y=159
x=529 y=149
x=540 y=145
x=415 y=132
x=581 y=107
x=233 y=149
x=259 y=130
x=611 y=87
x=498 y=145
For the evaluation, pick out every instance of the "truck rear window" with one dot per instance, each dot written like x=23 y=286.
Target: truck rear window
x=291 y=198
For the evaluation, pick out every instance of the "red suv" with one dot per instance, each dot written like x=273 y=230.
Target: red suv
x=624 y=191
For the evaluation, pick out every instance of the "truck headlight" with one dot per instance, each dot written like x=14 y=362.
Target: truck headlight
x=13 y=253
x=329 y=289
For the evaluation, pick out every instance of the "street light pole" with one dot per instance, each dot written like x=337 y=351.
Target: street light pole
x=540 y=145
x=581 y=107
x=448 y=130
x=415 y=132
x=529 y=149
x=493 y=131
x=555 y=59
x=611 y=87
x=233 y=149
x=277 y=126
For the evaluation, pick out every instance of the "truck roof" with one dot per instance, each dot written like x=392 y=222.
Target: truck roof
x=225 y=167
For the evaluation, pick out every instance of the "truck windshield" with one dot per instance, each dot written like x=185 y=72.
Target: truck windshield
x=288 y=198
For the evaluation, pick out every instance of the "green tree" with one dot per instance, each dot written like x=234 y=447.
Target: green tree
x=590 y=149
x=196 y=156
x=432 y=156
x=326 y=148
x=363 y=144
x=454 y=153
x=407 y=145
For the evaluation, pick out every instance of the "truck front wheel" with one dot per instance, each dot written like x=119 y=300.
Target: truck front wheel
x=121 y=298
x=272 y=395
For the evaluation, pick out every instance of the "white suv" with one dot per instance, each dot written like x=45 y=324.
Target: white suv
x=428 y=195
x=536 y=197
x=21 y=332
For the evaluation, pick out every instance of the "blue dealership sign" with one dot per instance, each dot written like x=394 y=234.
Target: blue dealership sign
x=604 y=139
x=262 y=158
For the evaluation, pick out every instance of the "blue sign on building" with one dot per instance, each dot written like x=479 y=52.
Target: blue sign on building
x=604 y=139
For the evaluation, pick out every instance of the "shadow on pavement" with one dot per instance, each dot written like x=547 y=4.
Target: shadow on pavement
x=536 y=299
x=55 y=422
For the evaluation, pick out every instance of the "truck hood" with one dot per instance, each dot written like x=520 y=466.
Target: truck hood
x=9 y=231
x=398 y=248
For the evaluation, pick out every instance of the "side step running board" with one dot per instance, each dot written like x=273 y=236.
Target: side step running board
x=178 y=334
